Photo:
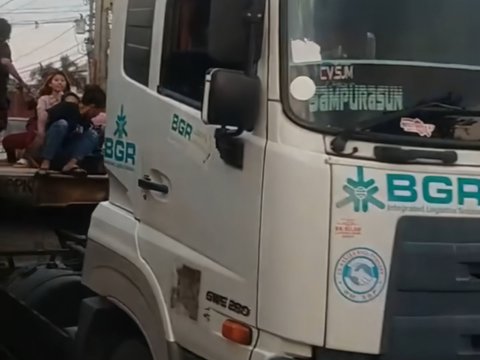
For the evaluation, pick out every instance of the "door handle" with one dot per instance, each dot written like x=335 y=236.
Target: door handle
x=153 y=186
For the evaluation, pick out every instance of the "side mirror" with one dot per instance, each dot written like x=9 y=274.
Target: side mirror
x=229 y=35
x=231 y=99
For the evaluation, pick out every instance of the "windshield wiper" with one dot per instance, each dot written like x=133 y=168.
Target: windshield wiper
x=443 y=105
x=398 y=155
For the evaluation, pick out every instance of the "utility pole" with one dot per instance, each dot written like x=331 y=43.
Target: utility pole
x=101 y=40
x=89 y=42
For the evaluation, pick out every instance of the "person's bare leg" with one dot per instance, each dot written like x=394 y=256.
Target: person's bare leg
x=45 y=165
x=72 y=164
x=72 y=168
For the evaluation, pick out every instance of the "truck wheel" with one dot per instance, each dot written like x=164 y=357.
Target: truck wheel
x=131 y=349
x=54 y=293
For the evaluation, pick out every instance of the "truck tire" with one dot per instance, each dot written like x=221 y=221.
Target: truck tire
x=54 y=293
x=131 y=349
x=106 y=332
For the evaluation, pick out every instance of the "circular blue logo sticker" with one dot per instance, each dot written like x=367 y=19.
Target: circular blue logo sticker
x=360 y=275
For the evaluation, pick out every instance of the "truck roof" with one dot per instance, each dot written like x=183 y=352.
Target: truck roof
x=26 y=186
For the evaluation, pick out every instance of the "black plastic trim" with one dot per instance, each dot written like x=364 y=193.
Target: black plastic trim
x=329 y=354
x=432 y=309
x=178 y=97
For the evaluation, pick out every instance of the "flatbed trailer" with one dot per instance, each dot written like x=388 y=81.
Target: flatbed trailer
x=43 y=225
x=26 y=186
x=40 y=271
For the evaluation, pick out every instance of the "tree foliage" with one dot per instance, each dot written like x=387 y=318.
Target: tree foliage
x=70 y=67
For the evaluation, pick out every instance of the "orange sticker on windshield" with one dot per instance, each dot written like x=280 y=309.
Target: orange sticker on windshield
x=417 y=126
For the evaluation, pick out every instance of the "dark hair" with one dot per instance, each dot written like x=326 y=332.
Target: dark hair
x=46 y=89
x=5 y=29
x=94 y=95
x=68 y=94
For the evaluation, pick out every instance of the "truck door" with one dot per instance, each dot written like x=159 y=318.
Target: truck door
x=128 y=82
x=199 y=218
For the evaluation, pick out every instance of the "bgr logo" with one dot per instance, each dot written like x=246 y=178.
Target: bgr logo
x=181 y=127
x=361 y=193
x=118 y=151
x=413 y=192
x=434 y=190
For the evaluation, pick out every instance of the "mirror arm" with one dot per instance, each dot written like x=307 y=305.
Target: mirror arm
x=254 y=18
x=230 y=148
x=232 y=133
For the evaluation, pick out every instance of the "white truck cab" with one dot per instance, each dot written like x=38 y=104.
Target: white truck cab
x=293 y=179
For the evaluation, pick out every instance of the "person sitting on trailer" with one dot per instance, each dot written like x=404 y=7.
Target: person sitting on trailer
x=68 y=109
x=66 y=145
x=21 y=147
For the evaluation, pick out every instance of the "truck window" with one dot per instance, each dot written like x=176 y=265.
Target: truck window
x=185 y=59
x=138 y=40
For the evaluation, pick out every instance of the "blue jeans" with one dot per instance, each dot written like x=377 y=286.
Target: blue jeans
x=60 y=142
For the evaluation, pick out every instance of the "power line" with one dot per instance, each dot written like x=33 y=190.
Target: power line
x=24 y=72
x=60 y=54
x=25 y=8
x=45 y=44
x=24 y=68
x=47 y=12
x=5 y=3
x=36 y=20
x=45 y=8
x=44 y=21
x=63 y=9
x=78 y=58
x=24 y=5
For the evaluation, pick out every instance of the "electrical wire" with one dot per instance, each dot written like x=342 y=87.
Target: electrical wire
x=72 y=61
x=49 y=12
x=78 y=69
x=23 y=10
x=45 y=44
x=48 y=61
x=44 y=21
x=54 y=65
x=6 y=3
x=24 y=5
x=24 y=68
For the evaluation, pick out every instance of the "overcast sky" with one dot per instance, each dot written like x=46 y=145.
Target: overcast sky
x=46 y=42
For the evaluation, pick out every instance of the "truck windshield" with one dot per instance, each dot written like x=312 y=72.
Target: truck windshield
x=350 y=60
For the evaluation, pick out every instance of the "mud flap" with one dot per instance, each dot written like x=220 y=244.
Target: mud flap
x=28 y=335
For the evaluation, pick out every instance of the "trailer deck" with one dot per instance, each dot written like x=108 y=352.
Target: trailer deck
x=23 y=185
x=26 y=186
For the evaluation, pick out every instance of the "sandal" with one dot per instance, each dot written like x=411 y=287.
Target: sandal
x=26 y=162
x=75 y=171
x=22 y=163
x=43 y=172
x=31 y=161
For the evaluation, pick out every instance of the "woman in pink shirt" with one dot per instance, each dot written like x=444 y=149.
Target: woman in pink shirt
x=50 y=94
